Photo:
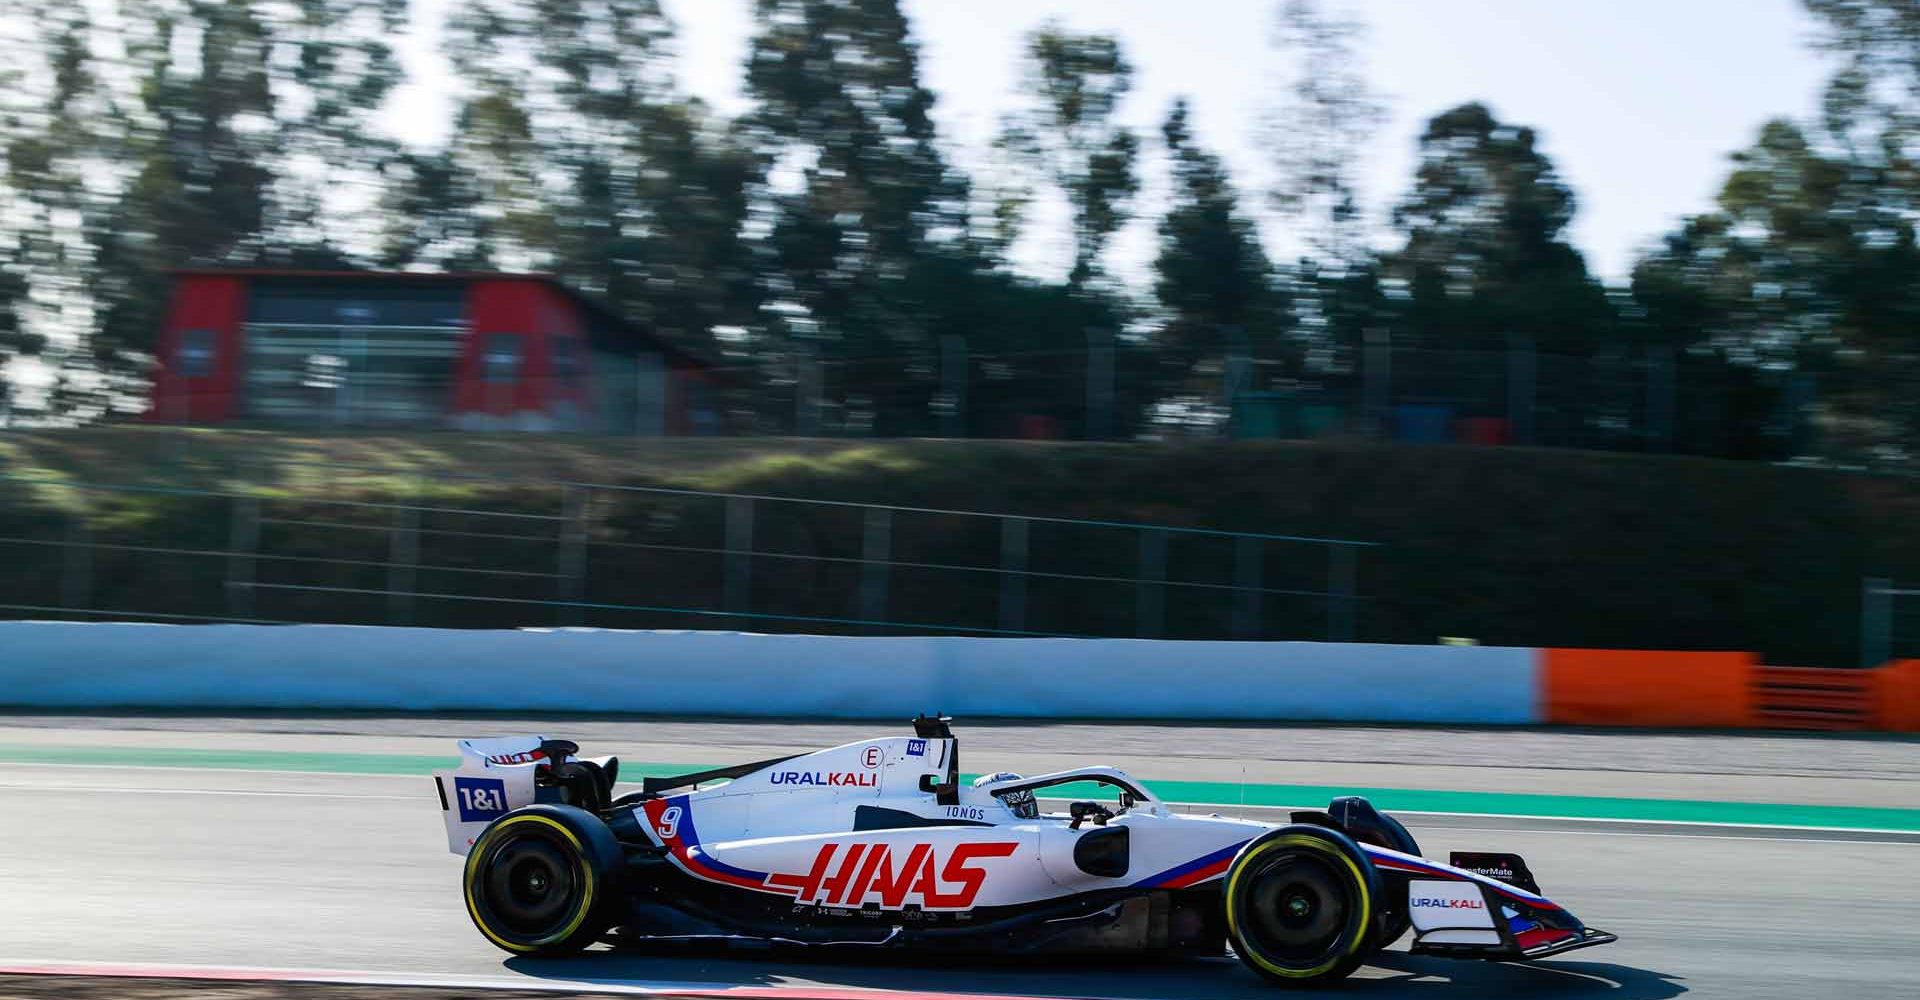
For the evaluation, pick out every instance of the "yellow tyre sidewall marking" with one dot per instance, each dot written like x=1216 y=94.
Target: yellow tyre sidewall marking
x=580 y=861
x=1322 y=846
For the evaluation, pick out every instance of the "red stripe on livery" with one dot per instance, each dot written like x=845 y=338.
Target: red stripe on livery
x=671 y=837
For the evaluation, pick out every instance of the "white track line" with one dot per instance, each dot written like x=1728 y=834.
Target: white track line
x=1504 y=830
x=1608 y=820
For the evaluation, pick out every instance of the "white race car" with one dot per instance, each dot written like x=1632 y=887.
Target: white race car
x=881 y=844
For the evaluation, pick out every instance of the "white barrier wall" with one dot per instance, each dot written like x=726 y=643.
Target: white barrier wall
x=98 y=665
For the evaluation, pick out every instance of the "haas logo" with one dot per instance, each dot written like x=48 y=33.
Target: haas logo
x=855 y=874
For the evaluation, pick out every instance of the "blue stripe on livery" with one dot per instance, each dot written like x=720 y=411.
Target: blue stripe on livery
x=1396 y=861
x=1197 y=870
x=706 y=864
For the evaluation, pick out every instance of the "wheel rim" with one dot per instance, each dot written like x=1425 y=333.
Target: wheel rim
x=528 y=886
x=1297 y=908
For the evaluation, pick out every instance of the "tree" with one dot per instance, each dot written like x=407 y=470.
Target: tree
x=1872 y=102
x=548 y=142
x=575 y=152
x=174 y=132
x=1485 y=256
x=1321 y=128
x=689 y=272
x=431 y=218
x=1808 y=265
x=14 y=340
x=488 y=195
x=250 y=120
x=61 y=125
x=1214 y=279
x=1069 y=137
x=196 y=153
x=858 y=210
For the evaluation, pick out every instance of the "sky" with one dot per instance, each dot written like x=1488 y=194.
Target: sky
x=1638 y=102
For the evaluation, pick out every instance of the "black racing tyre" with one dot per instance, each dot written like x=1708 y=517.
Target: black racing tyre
x=541 y=880
x=1359 y=820
x=1300 y=905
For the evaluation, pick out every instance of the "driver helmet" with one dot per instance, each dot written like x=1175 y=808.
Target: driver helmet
x=1022 y=802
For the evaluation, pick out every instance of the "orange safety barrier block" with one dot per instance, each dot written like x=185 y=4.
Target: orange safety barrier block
x=1633 y=687
x=1897 y=702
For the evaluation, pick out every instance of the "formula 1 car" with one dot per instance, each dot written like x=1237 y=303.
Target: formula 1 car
x=881 y=844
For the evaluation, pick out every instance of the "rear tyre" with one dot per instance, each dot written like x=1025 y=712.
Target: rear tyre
x=1300 y=905
x=540 y=880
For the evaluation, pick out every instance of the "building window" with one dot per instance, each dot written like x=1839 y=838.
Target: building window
x=195 y=355
x=501 y=360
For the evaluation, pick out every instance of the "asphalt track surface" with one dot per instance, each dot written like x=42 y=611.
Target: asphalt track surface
x=229 y=867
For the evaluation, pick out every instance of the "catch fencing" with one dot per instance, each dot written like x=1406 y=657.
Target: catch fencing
x=651 y=557
x=1889 y=621
x=1649 y=399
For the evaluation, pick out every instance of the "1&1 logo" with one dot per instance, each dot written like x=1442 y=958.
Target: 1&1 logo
x=480 y=799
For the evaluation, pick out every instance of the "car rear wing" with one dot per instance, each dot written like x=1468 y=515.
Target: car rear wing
x=495 y=776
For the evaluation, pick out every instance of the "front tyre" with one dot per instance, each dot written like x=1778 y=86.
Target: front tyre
x=1300 y=904
x=539 y=880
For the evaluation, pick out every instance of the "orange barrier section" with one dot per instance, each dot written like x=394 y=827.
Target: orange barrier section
x=1897 y=703
x=1631 y=687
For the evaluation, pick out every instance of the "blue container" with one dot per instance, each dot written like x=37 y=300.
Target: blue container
x=1423 y=423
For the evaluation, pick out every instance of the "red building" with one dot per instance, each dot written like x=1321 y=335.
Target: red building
x=475 y=351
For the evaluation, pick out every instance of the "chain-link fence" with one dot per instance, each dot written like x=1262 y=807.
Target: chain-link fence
x=1889 y=621
x=643 y=557
x=1647 y=399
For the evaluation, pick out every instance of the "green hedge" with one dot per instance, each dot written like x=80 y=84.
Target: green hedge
x=1505 y=545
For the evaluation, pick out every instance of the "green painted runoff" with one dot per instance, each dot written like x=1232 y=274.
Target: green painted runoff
x=1202 y=793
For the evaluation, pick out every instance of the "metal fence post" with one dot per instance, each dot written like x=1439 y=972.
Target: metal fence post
x=807 y=388
x=1876 y=621
x=76 y=583
x=1523 y=381
x=953 y=378
x=1013 y=574
x=403 y=556
x=876 y=546
x=1248 y=556
x=243 y=544
x=1794 y=422
x=738 y=583
x=1660 y=398
x=1236 y=375
x=1376 y=379
x=572 y=567
x=1340 y=589
x=1150 y=592
x=1099 y=383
